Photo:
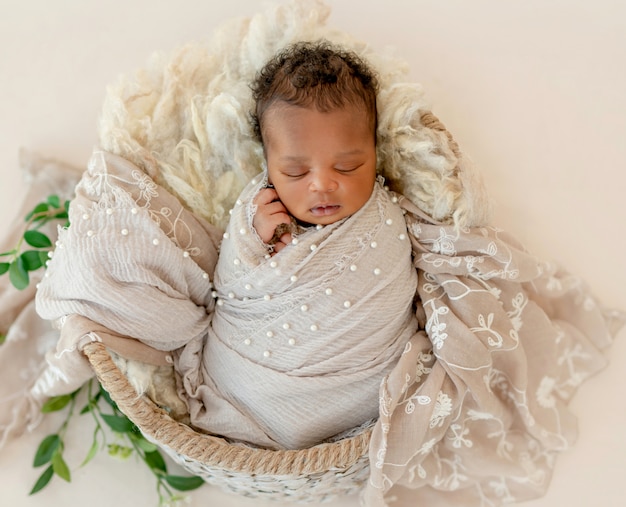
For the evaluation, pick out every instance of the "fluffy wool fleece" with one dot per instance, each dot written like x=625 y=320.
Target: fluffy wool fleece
x=185 y=120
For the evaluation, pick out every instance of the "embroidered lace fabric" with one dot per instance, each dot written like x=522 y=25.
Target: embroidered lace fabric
x=475 y=412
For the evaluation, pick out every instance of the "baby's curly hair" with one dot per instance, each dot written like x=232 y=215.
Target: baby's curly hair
x=315 y=74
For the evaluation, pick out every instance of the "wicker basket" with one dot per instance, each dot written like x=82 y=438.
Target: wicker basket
x=319 y=473
x=314 y=474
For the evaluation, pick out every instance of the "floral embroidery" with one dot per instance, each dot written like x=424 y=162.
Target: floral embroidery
x=147 y=187
x=427 y=446
x=501 y=490
x=416 y=471
x=491 y=250
x=444 y=244
x=438 y=261
x=114 y=192
x=458 y=437
x=544 y=392
x=435 y=328
x=431 y=285
x=421 y=400
x=421 y=369
x=415 y=229
x=571 y=357
x=453 y=478
x=443 y=408
x=519 y=303
x=494 y=339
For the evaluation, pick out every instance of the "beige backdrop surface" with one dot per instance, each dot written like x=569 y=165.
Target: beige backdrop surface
x=533 y=91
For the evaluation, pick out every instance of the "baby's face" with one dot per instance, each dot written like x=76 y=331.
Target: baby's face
x=322 y=165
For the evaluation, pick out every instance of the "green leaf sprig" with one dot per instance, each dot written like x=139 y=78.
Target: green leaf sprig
x=130 y=441
x=50 y=450
x=22 y=261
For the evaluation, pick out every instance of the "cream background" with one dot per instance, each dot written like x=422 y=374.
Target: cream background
x=532 y=90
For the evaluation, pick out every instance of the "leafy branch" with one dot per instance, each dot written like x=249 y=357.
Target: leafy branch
x=50 y=450
x=21 y=262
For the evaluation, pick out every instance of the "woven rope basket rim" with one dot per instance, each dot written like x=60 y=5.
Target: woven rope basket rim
x=430 y=121
x=211 y=450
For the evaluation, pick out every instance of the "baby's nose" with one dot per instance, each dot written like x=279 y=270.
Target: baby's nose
x=323 y=182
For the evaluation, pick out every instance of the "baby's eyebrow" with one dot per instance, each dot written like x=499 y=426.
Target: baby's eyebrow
x=356 y=151
x=294 y=158
x=303 y=158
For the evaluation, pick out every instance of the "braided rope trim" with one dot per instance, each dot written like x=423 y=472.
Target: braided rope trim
x=429 y=120
x=211 y=450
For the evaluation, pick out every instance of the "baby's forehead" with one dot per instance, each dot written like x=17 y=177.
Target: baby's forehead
x=283 y=113
x=297 y=122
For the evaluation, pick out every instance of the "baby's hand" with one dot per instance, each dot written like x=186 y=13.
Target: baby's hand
x=281 y=238
x=270 y=214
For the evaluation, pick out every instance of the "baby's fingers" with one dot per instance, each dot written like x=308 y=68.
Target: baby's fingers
x=265 y=224
x=284 y=240
x=265 y=196
x=275 y=208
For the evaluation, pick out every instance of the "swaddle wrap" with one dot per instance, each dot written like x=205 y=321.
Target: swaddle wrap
x=301 y=340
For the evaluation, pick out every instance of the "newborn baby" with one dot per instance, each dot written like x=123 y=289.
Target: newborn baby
x=309 y=320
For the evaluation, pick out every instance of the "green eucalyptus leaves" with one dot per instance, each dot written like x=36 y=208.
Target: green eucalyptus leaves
x=34 y=247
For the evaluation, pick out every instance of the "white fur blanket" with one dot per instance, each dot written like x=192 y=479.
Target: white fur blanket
x=189 y=130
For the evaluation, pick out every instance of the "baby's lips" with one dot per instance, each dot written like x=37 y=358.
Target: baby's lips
x=325 y=210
